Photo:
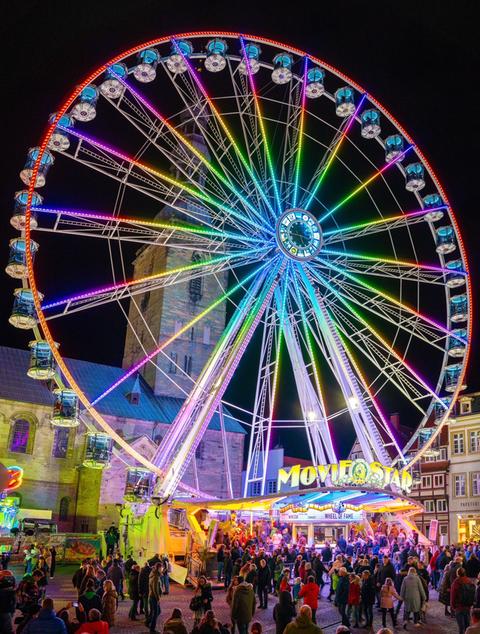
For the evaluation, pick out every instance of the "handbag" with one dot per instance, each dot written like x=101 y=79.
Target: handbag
x=195 y=604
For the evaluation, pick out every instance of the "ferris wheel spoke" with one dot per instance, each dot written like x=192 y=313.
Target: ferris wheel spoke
x=363 y=229
x=368 y=331
x=226 y=131
x=185 y=149
x=297 y=149
x=371 y=441
x=365 y=184
x=162 y=233
x=391 y=369
x=168 y=180
x=263 y=130
x=91 y=298
x=332 y=152
x=380 y=296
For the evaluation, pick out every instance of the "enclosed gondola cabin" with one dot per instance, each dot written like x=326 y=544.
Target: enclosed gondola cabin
x=42 y=365
x=98 y=450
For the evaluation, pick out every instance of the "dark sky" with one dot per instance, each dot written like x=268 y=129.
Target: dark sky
x=420 y=59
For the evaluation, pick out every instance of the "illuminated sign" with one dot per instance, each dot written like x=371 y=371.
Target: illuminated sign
x=10 y=478
x=346 y=473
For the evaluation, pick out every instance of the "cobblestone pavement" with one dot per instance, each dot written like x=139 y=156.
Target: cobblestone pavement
x=61 y=590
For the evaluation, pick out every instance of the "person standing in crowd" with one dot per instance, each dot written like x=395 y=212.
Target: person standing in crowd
x=47 y=622
x=341 y=594
x=462 y=598
x=474 y=628
x=387 y=595
x=367 y=598
x=283 y=612
x=264 y=583
x=309 y=593
x=220 y=562
x=166 y=570
x=154 y=594
x=143 y=589
x=303 y=624
x=209 y=624
x=109 y=602
x=8 y=601
x=116 y=576
x=133 y=590
x=88 y=600
x=243 y=605
x=353 y=605
x=94 y=625
x=53 y=561
x=227 y=569
x=413 y=596
x=175 y=623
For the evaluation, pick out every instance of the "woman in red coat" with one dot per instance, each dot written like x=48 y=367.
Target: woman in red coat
x=309 y=593
x=354 y=599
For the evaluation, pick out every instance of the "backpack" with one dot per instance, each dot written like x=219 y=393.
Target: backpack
x=467 y=594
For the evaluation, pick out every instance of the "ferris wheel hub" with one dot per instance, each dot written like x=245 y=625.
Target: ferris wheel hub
x=299 y=234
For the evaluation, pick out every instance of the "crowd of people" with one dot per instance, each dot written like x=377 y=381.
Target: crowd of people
x=361 y=577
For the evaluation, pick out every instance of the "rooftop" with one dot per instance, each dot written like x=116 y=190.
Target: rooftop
x=94 y=378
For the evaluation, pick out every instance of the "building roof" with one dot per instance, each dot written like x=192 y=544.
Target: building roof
x=93 y=378
x=290 y=461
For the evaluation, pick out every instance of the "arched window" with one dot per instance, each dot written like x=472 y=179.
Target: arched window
x=63 y=510
x=22 y=435
x=195 y=285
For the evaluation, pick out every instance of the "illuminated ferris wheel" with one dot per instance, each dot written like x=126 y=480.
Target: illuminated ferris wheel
x=343 y=262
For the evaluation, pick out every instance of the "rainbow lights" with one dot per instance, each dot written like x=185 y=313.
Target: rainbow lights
x=371 y=223
x=262 y=128
x=334 y=153
x=147 y=223
x=116 y=287
x=365 y=183
x=196 y=193
x=180 y=332
x=195 y=151
x=259 y=186
x=298 y=160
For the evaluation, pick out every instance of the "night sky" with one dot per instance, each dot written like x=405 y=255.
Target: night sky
x=419 y=59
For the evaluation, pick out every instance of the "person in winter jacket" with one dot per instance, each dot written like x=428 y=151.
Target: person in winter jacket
x=243 y=606
x=94 y=625
x=303 y=624
x=309 y=593
x=227 y=569
x=341 y=595
x=175 y=623
x=87 y=601
x=472 y=567
x=460 y=606
x=109 y=602
x=133 y=593
x=386 y=571
x=7 y=601
x=353 y=605
x=47 y=622
x=367 y=597
x=143 y=589
x=387 y=595
x=264 y=583
x=115 y=574
x=413 y=595
x=154 y=594
x=283 y=612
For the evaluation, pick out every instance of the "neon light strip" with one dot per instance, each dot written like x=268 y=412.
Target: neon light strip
x=334 y=153
x=405 y=216
x=298 y=160
x=376 y=334
x=388 y=297
x=147 y=223
x=165 y=177
x=365 y=183
x=426 y=267
x=262 y=127
x=225 y=128
x=148 y=278
x=180 y=332
x=191 y=147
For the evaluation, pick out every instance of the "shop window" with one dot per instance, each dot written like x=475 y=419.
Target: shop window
x=427 y=482
x=459 y=485
x=475 y=441
x=458 y=443
x=439 y=480
x=441 y=506
x=60 y=442
x=476 y=483
x=22 y=435
x=429 y=506
x=172 y=366
x=63 y=510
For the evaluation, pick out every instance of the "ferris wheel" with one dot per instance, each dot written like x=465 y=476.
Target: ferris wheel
x=315 y=216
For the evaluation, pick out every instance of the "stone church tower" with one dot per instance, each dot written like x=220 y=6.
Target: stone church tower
x=163 y=312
